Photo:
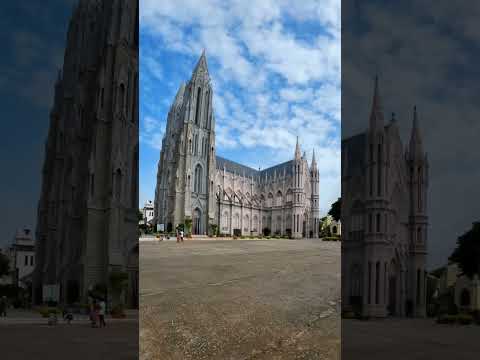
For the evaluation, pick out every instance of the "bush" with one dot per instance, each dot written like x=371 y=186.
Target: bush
x=331 y=238
x=45 y=311
x=348 y=315
x=464 y=319
x=447 y=319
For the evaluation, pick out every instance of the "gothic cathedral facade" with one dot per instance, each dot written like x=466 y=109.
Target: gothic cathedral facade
x=88 y=209
x=384 y=219
x=193 y=182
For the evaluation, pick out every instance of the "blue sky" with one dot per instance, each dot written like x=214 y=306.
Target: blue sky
x=275 y=69
x=31 y=56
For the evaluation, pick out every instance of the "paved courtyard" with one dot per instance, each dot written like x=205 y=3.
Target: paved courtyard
x=416 y=339
x=240 y=299
x=21 y=338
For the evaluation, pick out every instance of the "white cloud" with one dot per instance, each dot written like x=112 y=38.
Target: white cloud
x=271 y=83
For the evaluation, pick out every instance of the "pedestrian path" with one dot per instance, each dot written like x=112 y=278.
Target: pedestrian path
x=31 y=317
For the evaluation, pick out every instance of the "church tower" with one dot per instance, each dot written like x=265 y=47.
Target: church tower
x=185 y=180
x=314 y=181
x=298 y=164
x=374 y=300
x=418 y=182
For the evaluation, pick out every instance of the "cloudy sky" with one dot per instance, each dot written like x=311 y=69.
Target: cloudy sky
x=33 y=40
x=275 y=68
x=426 y=53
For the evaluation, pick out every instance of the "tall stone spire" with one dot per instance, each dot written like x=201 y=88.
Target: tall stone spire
x=376 y=116
x=201 y=69
x=298 y=153
x=416 y=146
x=314 y=161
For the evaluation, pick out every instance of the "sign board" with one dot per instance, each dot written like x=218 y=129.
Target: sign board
x=160 y=227
x=51 y=293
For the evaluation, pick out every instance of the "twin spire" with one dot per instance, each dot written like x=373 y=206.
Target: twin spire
x=376 y=116
x=376 y=122
x=416 y=146
x=298 y=155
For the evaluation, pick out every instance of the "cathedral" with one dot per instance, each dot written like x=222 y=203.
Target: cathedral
x=87 y=213
x=384 y=219
x=194 y=183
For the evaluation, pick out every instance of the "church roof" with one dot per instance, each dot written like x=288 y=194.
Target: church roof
x=234 y=167
x=287 y=166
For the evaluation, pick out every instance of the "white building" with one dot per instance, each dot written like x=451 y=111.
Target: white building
x=21 y=254
x=466 y=291
x=147 y=212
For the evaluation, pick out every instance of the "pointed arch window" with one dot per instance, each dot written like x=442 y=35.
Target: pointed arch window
x=419 y=180
x=197 y=112
x=207 y=98
x=121 y=100
x=379 y=169
x=197 y=187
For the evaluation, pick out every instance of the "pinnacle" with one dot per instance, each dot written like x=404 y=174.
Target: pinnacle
x=201 y=66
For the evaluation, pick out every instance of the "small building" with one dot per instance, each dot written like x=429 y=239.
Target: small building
x=334 y=227
x=147 y=212
x=21 y=254
x=465 y=290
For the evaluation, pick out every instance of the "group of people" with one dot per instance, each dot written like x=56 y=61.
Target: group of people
x=97 y=313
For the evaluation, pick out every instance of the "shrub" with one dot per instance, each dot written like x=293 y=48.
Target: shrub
x=464 y=319
x=348 y=315
x=45 y=311
x=446 y=319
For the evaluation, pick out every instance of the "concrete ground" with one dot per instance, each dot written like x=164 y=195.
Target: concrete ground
x=415 y=339
x=240 y=299
x=29 y=337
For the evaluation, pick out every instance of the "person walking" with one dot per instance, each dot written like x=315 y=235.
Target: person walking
x=178 y=236
x=101 y=313
x=181 y=235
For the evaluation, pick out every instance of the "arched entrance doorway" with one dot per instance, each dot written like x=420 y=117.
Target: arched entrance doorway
x=197 y=222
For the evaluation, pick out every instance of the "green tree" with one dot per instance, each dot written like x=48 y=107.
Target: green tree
x=4 y=264
x=467 y=252
x=140 y=215
x=335 y=210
